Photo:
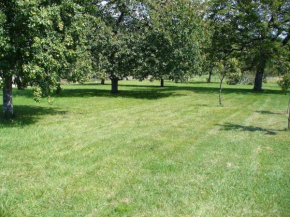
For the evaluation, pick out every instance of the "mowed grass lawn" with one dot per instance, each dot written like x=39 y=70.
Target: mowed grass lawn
x=148 y=151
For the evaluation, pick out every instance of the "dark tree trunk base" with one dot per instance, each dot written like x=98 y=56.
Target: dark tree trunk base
x=161 y=82
x=258 y=81
x=209 y=77
x=58 y=89
x=114 y=89
x=259 y=75
x=7 y=97
x=102 y=81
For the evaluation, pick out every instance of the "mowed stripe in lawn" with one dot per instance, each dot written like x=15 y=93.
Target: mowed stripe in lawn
x=178 y=153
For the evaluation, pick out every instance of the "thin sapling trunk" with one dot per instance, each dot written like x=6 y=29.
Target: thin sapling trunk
x=220 y=90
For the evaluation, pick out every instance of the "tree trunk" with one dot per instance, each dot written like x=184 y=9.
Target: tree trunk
x=102 y=81
x=58 y=89
x=210 y=73
x=220 y=90
x=161 y=82
x=209 y=76
x=114 y=85
x=7 y=97
x=259 y=76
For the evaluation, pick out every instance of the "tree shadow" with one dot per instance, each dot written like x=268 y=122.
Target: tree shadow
x=141 y=86
x=227 y=90
x=95 y=84
x=137 y=94
x=158 y=87
x=205 y=89
x=27 y=115
x=210 y=88
x=270 y=113
x=152 y=83
x=151 y=92
x=124 y=85
x=230 y=127
x=207 y=105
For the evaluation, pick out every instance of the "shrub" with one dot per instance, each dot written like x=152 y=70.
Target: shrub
x=233 y=78
x=284 y=83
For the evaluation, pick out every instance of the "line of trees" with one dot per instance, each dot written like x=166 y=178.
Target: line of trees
x=43 y=41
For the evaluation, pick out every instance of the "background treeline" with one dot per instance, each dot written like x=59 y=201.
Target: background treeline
x=44 y=41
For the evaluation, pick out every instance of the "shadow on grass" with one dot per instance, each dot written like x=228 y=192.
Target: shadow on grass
x=152 y=84
x=270 y=113
x=68 y=91
x=27 y=115
x=152 y=92
x=225 y=90
x=207 y=88
x=137 y=94
x=231 y=127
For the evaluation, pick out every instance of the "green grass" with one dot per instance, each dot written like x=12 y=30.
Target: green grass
x=148 y=151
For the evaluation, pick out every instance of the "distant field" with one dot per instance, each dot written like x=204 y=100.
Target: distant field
x=148 y=151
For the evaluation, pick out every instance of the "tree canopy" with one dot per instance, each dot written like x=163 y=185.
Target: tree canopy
x=257 y=29
x=42 y=41
x=171 y=40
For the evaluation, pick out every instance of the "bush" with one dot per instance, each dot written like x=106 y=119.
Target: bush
x=233 y=78
x=285 y=83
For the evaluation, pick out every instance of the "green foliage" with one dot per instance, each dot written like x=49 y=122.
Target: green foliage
x=37 y=94
x=171 y=40
x=41 y=41
x=233 y=78
x=228 y=68
x=114 y=47
x=252 y=31
x=285 y=83
x=281 y=63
